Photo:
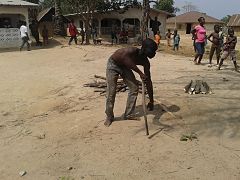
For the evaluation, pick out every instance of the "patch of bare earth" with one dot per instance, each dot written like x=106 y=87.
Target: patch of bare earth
x=52 y=127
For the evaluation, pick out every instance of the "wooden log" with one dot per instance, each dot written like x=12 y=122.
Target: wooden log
x=99 y=77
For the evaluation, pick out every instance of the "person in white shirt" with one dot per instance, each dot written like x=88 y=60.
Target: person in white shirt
x=24 y=36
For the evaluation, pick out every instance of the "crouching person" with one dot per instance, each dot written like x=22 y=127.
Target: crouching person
x=122 y=62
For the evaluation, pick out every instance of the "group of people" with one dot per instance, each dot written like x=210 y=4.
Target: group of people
x=35 y=33
x=119 y=37
x=73 y=31
x=124 y=61
x=176 y=39
x=218 y=45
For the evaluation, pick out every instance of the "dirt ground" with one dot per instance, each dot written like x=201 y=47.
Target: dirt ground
x=52 y=127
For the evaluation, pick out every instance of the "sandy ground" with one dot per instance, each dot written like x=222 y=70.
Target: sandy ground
x=49 y=122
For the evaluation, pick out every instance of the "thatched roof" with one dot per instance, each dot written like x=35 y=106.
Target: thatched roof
x=192 y=17
x=234 y=20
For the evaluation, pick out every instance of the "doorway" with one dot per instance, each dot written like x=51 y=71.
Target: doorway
x=188 y=28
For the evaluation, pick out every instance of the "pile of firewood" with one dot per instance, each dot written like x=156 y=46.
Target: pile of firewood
x=198 y=87
x=100 y=85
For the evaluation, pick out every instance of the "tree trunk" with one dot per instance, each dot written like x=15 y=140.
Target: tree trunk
x=58 y=20
x=145 y=19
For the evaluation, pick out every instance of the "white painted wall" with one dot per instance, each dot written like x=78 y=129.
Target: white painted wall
x=11 y=37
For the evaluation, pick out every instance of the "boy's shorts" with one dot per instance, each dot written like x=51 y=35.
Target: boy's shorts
x=231 y=53
x=200 y=47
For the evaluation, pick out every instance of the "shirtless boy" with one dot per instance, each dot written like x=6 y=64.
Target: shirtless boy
x=216 y=46
x=122 y=62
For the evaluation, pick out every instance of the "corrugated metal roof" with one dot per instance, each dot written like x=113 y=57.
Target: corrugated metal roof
x=16 y=3
x=192 y=17
x=234 y=20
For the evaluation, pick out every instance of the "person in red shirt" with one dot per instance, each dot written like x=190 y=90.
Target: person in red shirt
x=73 y=32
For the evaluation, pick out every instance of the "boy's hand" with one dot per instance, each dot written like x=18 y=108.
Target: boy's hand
x=150 y=106
x=143 y=77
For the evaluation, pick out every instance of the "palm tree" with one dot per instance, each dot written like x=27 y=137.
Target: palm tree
x=145 y=19
x=58 y=19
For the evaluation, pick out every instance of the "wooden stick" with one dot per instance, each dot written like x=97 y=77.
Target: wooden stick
x=100 y=77
x=144 y=108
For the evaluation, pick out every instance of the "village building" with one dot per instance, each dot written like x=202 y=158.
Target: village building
x=46 y=17
x=234 y=22
x=129 y=20
x=11 y=13
x=184 y=23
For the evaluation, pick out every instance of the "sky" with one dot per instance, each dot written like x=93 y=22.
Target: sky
x=214 y=8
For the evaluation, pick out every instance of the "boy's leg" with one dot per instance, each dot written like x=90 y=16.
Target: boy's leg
x=28 y=45
x=218 y=51
x=82 y=39
x=211 y=54
x=132 y=84
x=223 y=57
x=112 y=77
x=70 y=40
x=234 y=59
x=177 y=47
x=23 y=43
x=75 y=39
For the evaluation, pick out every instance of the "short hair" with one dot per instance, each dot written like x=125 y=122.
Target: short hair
x=230 y=29
x=199 y=19
x=149 y=43
x=216 y=25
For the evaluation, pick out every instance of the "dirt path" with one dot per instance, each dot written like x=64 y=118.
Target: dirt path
x=50 y=122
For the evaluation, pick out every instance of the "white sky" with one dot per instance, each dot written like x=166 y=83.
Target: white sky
x=214 y=8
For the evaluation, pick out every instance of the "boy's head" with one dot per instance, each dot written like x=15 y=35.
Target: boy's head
x=230 y=32
x=175 y=31
x=149 y=48
x=216 y=28
x=169 y=30
x=201 y=20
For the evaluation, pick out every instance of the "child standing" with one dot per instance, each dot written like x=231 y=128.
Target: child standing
x=229 y=49
x=45 y=35
x=157 y=38
x=216 y=45
x=168 y=36
x=176 y=40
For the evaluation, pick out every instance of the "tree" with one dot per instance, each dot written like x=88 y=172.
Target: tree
x=58 y=19
x=226 y=19
x=165 y=5
x=189 y=7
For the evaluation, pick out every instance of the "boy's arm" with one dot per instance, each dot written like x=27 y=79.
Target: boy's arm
x=150 y=105
x=209 y=37
x=131 y=65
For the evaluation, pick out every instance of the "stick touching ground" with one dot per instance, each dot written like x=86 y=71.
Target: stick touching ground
x=144 y=108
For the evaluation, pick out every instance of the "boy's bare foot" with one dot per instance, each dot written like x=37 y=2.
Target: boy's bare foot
x=108 y=122
x=132 y=117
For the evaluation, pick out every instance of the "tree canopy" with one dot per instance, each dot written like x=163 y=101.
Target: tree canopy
x=165 y=5
x=226 y=19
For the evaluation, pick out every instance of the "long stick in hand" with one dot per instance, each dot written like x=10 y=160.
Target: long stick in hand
x=144 y=107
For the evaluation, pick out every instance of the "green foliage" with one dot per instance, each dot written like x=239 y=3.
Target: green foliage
x=226 y=19
x=165 y=5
